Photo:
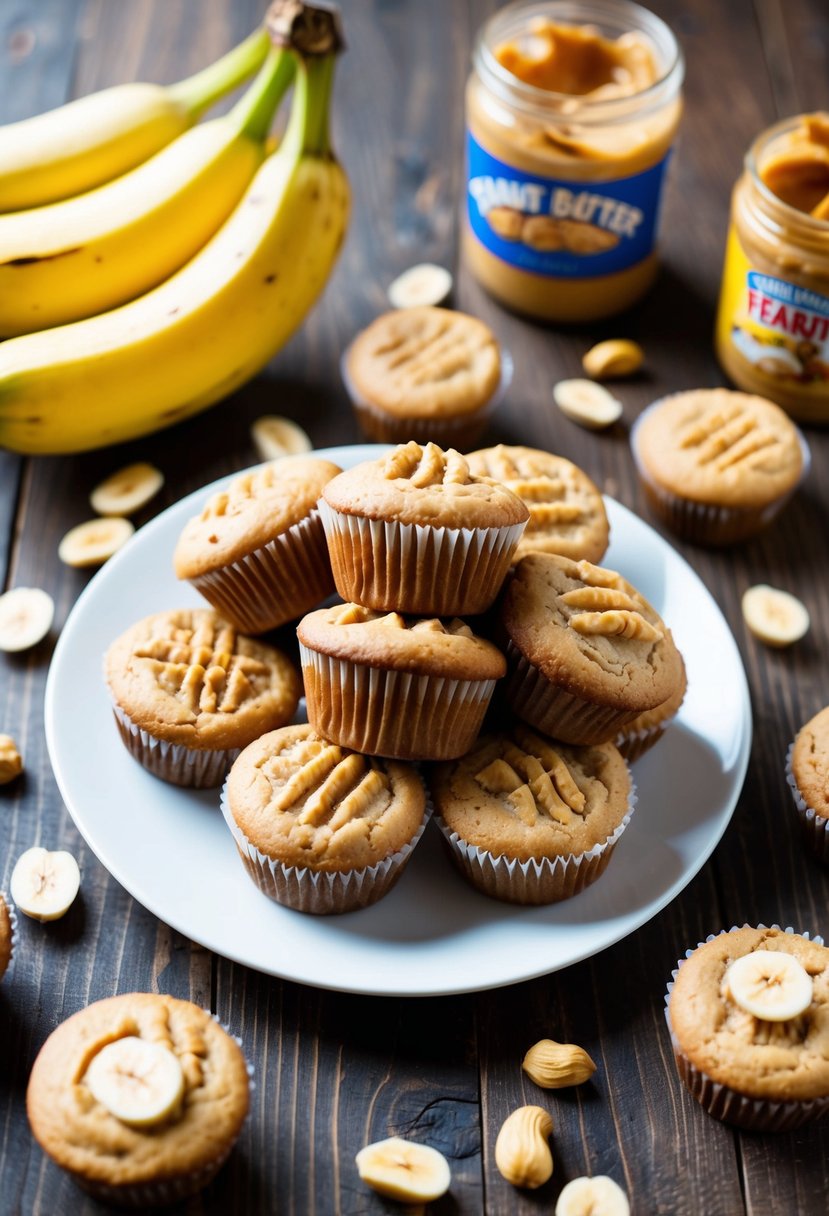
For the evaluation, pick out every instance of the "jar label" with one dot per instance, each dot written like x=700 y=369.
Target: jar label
x=561 y=228
x=778 y=326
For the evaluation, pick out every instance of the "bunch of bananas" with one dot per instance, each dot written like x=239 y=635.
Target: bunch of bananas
x=149 y=266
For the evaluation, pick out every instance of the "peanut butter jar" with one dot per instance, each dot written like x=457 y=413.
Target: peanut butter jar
x=772 y=332
x=572 y=109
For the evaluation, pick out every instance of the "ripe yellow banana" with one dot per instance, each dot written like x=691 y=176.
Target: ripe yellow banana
x=96 y=138
x=206 y=330
x=90 y=253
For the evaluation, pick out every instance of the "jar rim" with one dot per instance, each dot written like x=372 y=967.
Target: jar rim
x=800 y=219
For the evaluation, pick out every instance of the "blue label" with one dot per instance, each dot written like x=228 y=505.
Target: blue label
x=788 y=293
x=562 y=228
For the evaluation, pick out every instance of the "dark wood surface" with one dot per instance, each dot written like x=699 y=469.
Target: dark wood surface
x=337 y=1071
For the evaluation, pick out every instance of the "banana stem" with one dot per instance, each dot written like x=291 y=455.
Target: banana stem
x=255 y=111
x=197 y=93
x=307 y=132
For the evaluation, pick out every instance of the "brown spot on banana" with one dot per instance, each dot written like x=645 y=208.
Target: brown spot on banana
x=49 y=257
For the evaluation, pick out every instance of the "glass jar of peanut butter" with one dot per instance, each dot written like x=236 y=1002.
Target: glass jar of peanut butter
x=772 y=334
x=572 y=109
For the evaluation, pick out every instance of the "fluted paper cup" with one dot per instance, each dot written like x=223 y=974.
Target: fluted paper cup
x=814 y=827
x=12 y=932
x=197 y=768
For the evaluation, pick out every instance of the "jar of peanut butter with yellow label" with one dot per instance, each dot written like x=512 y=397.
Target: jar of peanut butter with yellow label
x=772 y=334
x=572 y=109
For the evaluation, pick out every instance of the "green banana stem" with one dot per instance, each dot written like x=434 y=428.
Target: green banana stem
x=197 y=93
x=255 y=111
x=307 y=133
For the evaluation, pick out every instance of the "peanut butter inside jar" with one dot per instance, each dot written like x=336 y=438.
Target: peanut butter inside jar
x=571 y=113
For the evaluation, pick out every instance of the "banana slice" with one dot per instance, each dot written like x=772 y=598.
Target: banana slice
x=587 y=403
x=599 y=1196
x=139 y=1082
x=613 y=358
x=775 y=617
x=274 y=437
x=127 y=491
x=403 y=1170
x=26 y=615
x=93 y=543
x=770 y=984
x=44 y=884
x=423 y=284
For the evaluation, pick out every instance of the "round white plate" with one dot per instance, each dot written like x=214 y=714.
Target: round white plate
x=433 y=934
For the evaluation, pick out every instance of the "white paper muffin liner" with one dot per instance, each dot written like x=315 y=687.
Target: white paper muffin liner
x=814 y=827
x=416 y=568
x=320 y=892
x=703 y=523
x=383 y=712
x=633 y=746
x=13 y=936
x=544 y=881
x=278 y=582
x=458 y=430
x=725 y=1103
x=198 y=768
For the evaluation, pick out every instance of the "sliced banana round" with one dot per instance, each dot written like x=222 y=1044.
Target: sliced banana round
x=404 y=1170
x=421 y=285
x=93 y=543
x=775 y=617
x=770 y=984
x=127 y=491
x=138 y=1081
x=614 y=358
x=274 y=437
x=587 y=403
x=599 y=1196
x=26 y=615
x=44 y=884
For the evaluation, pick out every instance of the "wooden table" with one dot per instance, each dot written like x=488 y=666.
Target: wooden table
x=336 y=1071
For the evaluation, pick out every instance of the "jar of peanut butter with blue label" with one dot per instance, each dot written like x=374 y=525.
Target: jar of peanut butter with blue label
x=572 y=109
x=772 y=334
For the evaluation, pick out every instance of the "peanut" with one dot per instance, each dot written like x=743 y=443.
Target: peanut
x=616 y=357
x=11 y=762
x=522 y=1153
x=554 y=1065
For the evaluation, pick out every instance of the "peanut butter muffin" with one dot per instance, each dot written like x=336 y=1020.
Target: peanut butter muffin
x=530 y=820
x=640 y=735
x=417 y=532
x=257 y=551
x=140 y=1098
x=320 y=828
x=189 y=693
x=807 y=772
x=8 y=924
x=748 y=1014
x=424 y=373
x=716 y=466
x=586 y=653
x=567 y=514
x=396 y=686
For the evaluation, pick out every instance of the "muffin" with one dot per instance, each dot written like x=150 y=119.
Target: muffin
x=257 y=551
x=319 y=828
x=416 y=532
x=127 y=1141
x=643 y=732
x=717 y=466
x=567 y=514
x=807 y=772
x=740 y=1048
x=530 y=820
x=8 y=928
x=425 y=373
x=586 y=653
x=396 y=686
x=189 y=693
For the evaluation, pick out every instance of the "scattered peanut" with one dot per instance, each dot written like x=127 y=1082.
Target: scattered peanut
x=587 y=403
x=554 y=1065
x=522 y=1153
x=11 y=762
x=274 y=437
x=616 y=357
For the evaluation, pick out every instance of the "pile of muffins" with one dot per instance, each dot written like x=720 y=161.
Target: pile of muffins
x=469 y=586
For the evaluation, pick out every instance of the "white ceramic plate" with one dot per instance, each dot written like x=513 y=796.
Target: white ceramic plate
x=433 y=934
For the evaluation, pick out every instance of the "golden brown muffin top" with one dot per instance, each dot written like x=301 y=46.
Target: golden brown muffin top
x=425 y=363
x=525 y=796
x=589 y=631
x=422 y=646
x=720 y=447
x=309 y=803
x=189 y=677
x=567 y=514
x=82 y=1135
x=256 y=507
x=425 y=485
x=779 y=1061
x=5 y=936
x=810 y=763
